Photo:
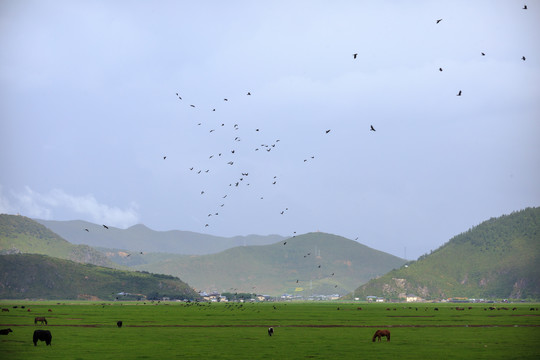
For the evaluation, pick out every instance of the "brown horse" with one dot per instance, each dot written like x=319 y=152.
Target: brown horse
x=40 y=319
x=381 y=333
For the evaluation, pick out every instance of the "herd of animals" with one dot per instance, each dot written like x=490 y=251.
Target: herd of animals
x=46 y=336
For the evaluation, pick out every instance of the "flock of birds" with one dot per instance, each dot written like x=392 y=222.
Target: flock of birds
x=230 y=156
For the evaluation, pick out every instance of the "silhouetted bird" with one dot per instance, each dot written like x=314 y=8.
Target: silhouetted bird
x=192 y=105
x=164 y=157
x=440 y=69
x=87 y=230
x=105 y=226
x=285 y=243
x=355 y=55
x=372 y=128
x=225 y=99
x=523 y=58
x=438 y=21
x=249 y=93
x=524 y=7
x=327 y=131
x=483 y=54
x=459 y=93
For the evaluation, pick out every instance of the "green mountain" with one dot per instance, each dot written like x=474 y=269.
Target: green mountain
x=500 y=258
x=19 y=234
x=32 y=276
x=140 y=238
x=314 y=263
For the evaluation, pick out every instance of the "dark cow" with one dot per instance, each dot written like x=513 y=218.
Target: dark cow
x=5 y=331
x=119 y=323
x=5 y=310
x=270 y=331
x=42 y=335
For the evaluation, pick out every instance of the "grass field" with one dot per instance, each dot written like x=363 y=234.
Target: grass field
x=87 y=330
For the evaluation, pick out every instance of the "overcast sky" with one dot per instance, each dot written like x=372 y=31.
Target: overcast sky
x=88 y=111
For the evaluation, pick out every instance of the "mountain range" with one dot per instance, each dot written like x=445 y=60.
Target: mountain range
x=499 y=258
x=141 y=238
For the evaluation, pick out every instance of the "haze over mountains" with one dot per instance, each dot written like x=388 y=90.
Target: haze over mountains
x=141 y=238
x=309 y=264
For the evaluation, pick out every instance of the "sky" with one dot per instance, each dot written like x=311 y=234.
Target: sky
x=92 y=129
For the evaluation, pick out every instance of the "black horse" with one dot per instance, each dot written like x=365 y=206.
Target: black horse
x=42 y=335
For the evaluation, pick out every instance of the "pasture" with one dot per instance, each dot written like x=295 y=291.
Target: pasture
x=88 y=330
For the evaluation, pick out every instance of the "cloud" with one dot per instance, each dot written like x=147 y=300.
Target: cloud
x=57 y=203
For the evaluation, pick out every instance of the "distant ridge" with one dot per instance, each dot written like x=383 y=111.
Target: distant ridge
x=141 y=238
x=500 y=258
x=313 y=263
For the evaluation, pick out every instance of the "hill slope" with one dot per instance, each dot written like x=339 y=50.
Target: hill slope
x=314 y=263
x=499 y=258
x=21 y=234
x=141 y=238
x=42 y=277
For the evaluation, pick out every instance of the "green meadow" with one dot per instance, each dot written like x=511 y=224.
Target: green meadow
x=87 y=330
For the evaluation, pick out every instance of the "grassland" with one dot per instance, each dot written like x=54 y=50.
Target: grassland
x=87 y=330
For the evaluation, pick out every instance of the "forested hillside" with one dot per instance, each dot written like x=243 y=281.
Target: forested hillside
x=500 y=258
x=32 y=276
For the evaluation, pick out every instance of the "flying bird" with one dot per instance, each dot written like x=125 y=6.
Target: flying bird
x=285 y=243
x=438 y=21
x=86 y=230
x=483 y=54
x=440 y=69
x=355 y=55
x=164 y=157
x=372 y=128
x=192 y=105
x=225 y=99
x=459 y=93
x=523 y=58
x=327 y=131
x=524 y=7
x=106 y=227
x=249 y=93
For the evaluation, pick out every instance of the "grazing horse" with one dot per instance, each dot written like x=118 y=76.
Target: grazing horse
x=5 y=331
x=42 y=335
x=5 y=310
x=270 y=331
x=119 y=324
x=381 y=333
x=40 y=319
